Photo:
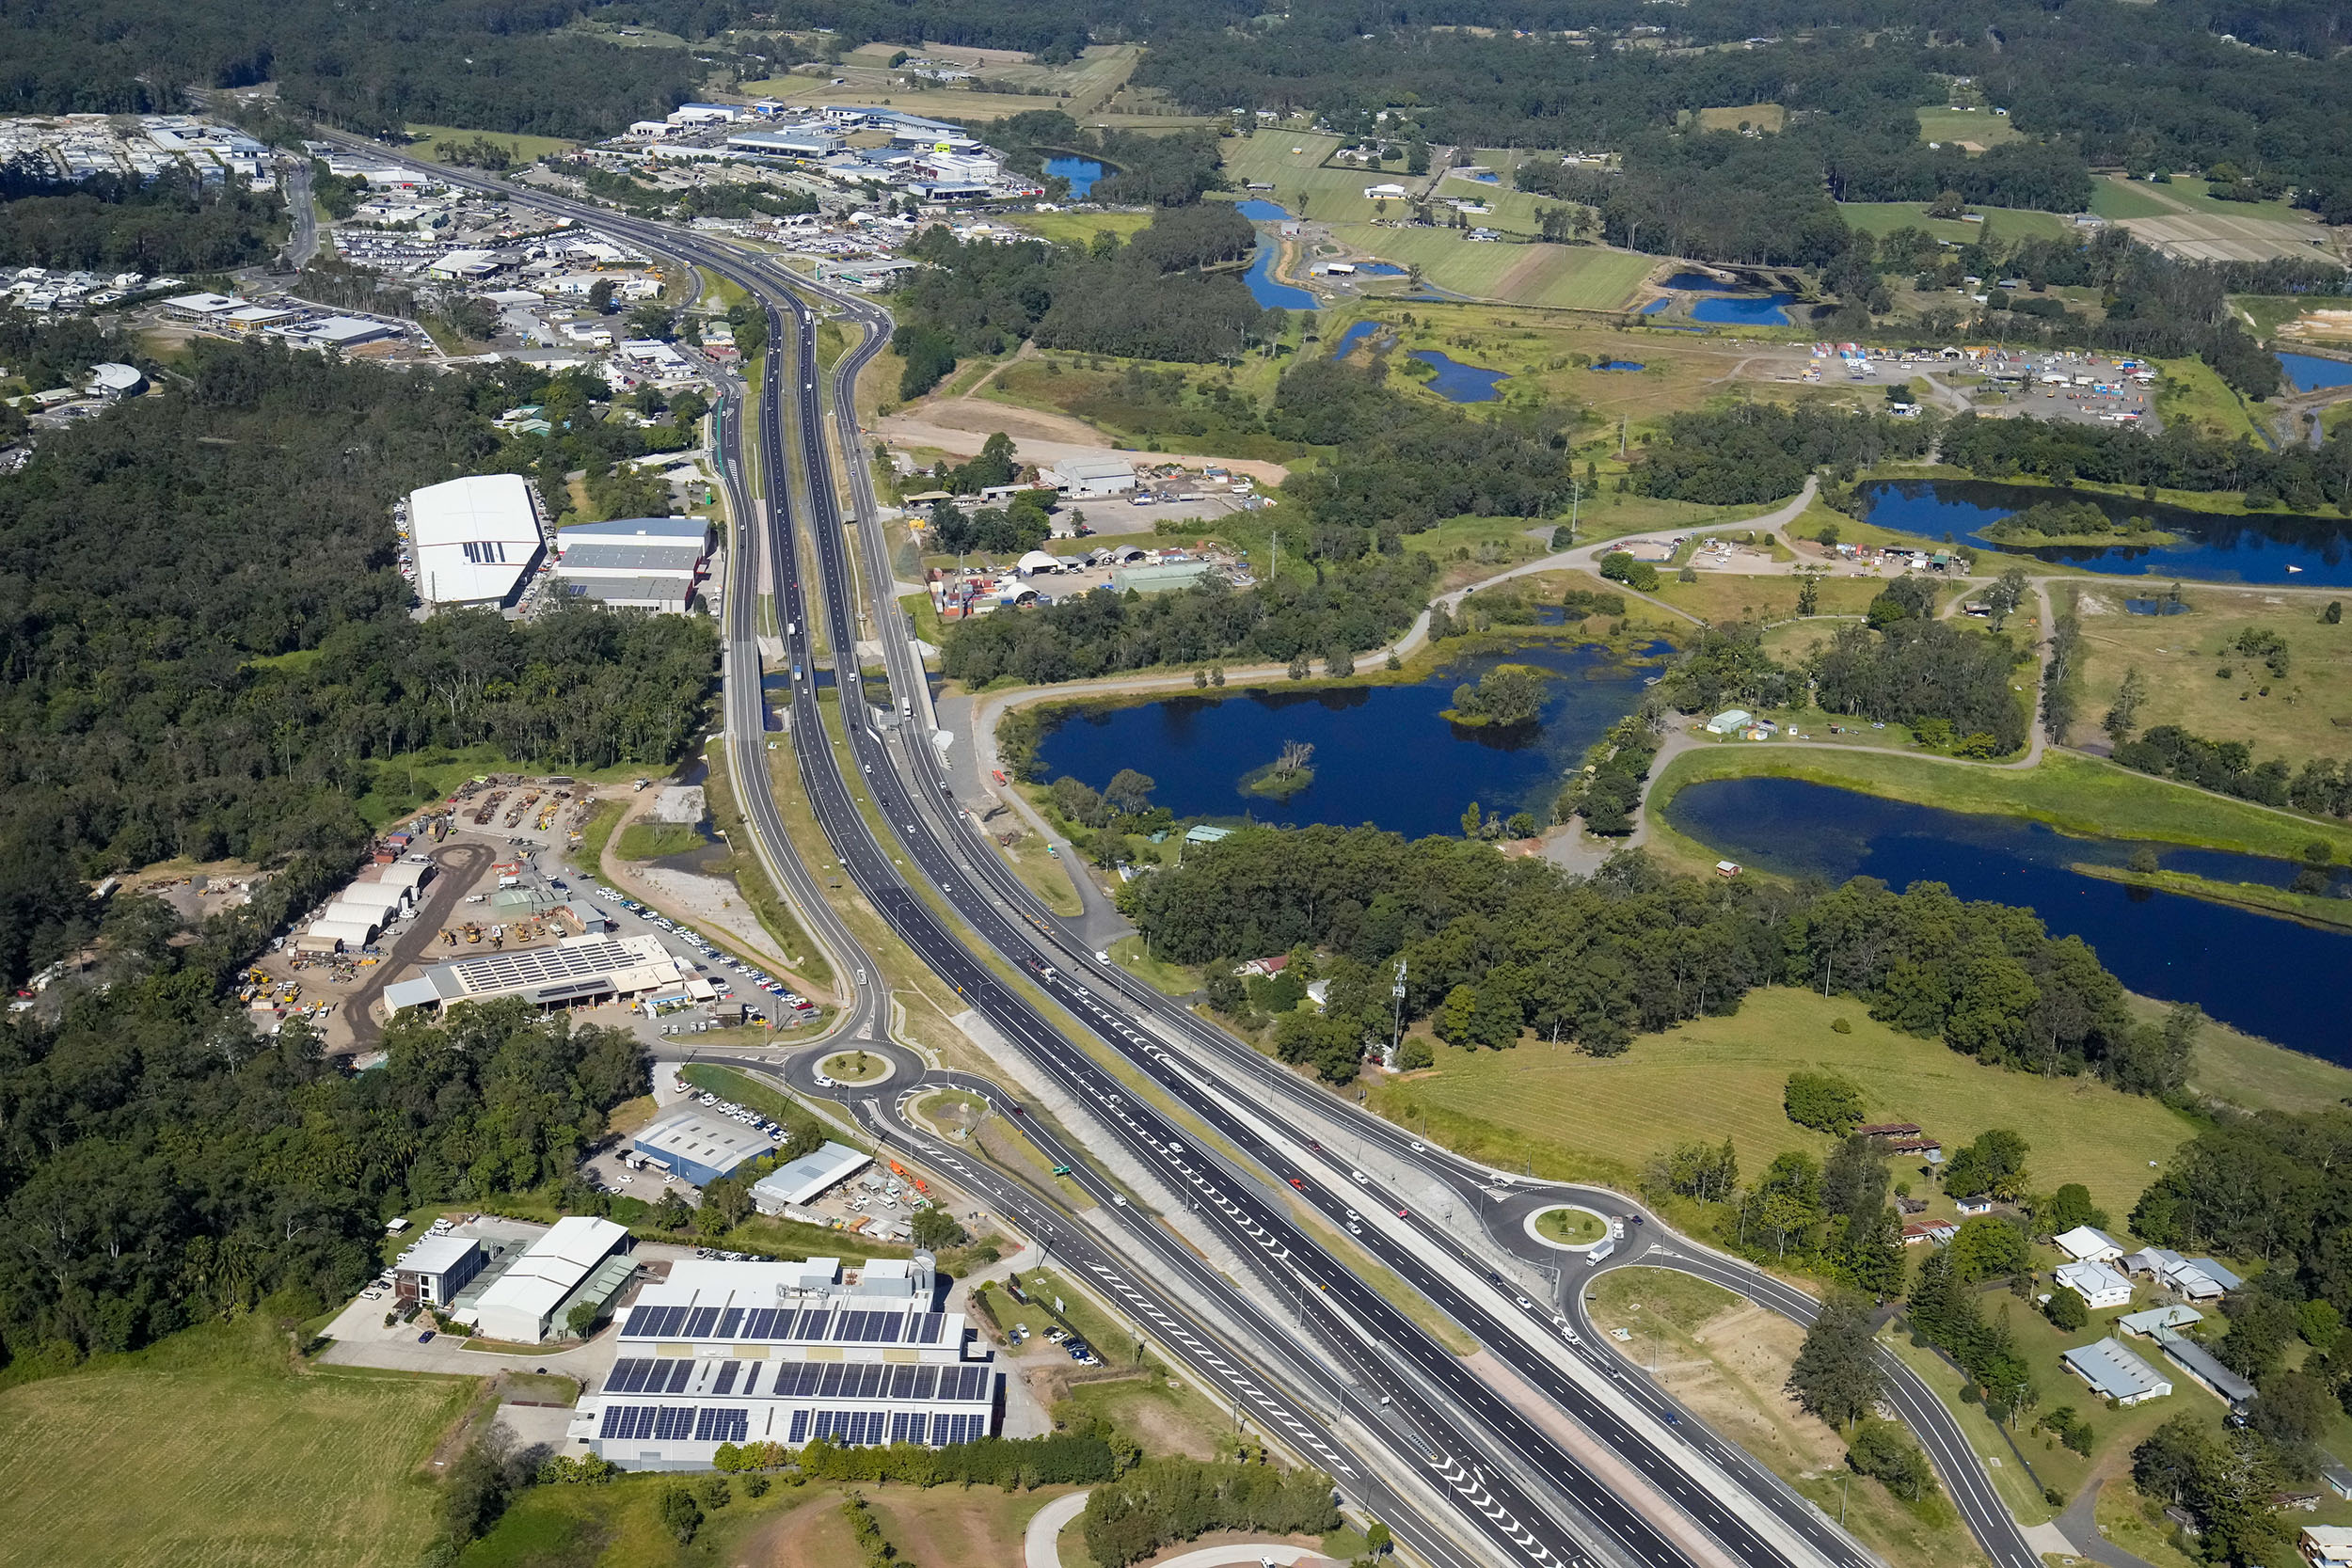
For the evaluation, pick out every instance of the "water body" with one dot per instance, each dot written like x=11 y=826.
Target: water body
x=1355 y=333
x=1746 y=310
x=1379 y=269
x=1382 y=753
x=1655 y=306
x=1619 y=365
x=2309 y=373
x=1258 y=210
x=2264 y=974
x=1081 y=172
x=1696 y=282
x=1459 y=383
x=1264 y=287
x=2258 y=548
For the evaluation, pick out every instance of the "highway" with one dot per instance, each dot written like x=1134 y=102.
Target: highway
x=1465 y=1430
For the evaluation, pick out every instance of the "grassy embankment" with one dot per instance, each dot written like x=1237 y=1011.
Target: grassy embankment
x=219 y=1446
x=651 y=841
x=425 y=143
x=1728 y=1361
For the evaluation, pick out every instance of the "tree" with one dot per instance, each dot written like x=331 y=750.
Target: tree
x=2124 y=716
x=1130 y=791
x=2007 y=593
x=1995 y=1163
x=601 y=297
x=2067 y=1208
x=1787 y=1205
x=1809 y=591
x=1823 y=1101
x=680 y=1515
x=1886 y=1453
x=581 y=1319
x=1837 y=1373
x=2067 y=1309
x=1619 y=566
x=935 y=1228
x=1987 y=1246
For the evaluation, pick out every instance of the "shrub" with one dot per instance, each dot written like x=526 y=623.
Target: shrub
x=1823 y=1101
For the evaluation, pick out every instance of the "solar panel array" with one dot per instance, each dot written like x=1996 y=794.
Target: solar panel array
x=634 y=1376
x=787 y=1325
x=835 y=1380
x=861 y=1428
x=673 y=1423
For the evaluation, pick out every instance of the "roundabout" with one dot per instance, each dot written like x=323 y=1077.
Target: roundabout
x=1568 y=1228
x=857 y=1069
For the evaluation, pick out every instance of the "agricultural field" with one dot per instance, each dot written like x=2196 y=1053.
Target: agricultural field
x=1301 y=184
x=2181 y=219
x=2007 y=223
x=1977 y=129
x=1007 y=83
x=209 y=1448
x=1759 y=117
x=1717 y=1078
x=2305 y=713
x=524 y=150
x=1561 y=277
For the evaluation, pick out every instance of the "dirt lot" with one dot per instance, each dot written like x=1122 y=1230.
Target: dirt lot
x=960 y=425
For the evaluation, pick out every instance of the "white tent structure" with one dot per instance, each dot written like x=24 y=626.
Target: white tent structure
x=1038 y=561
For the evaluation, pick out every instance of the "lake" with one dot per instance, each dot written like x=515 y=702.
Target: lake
x=2255 y=548
x=1744 y=310
x=1081 y=172
x=1264 y=287
x=1697 y=282
x=1459 y=383
x=1357 y=332
x=2309 y=373
x=2264 y=974
x=1382 y=753
x=1618 y=365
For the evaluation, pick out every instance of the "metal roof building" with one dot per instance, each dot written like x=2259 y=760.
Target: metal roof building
x=629 y=558
x=801 y=1180
x=700 y=1145
x=663 y=596
x=666 y=529
x=581 y=969
x=2201 y=1365
x=532 y=1296
x=477 y=539
x=2114 y=1372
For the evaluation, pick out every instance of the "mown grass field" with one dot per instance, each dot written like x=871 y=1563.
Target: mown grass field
x=525 y=150
x=650 y=841
x=2191 y=392
x=1079 y=227
x=2007 y=223
x=2076 y=794
x=1562 y=277
x=1943 y=123
x=1721 y=1077
x=210 y=1449
x=1761 y=116
x=1301 y=184
x=2306 y=713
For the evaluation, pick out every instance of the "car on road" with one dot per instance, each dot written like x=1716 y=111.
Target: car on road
x=1360 y=1179
x=1524 y=1302
x=1404 y=1213
x=1300 y=1185
x=1420 y=1147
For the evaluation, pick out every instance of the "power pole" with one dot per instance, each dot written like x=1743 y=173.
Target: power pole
x=1396 y=1023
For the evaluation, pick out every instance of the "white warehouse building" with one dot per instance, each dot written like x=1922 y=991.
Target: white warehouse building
x=477 y=539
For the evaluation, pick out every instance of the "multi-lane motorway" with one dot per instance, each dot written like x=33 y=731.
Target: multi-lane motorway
x=1384 y=1390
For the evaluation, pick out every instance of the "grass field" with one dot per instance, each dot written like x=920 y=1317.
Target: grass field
x=2111 y=197
x=1079 y=227
x=1728 y=1361
x=1760 y=117
x=1561 y=277
x=525 y=150
x=2306 y=713
x=650 y=841
x=209 y=1449
x=1948 y=125
x=1721 y=1077
x=2192 y=392
x=1301 y=184
x=2007 y=223
x=1719 y=596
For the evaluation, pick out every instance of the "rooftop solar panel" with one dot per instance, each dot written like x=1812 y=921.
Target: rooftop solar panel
x=759 y=1324
x=729 y=1321
x=727 y=1378
x=679 y=1372
x=701 y=1322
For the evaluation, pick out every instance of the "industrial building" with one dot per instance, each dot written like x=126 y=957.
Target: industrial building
x=652 y=563
x=435 y=1269
x=477 y=539
x=811 y=141
x=700 y=1145
x=799 y=1180
x=1089 y=476
x=786 y=1353
x=589 y=969
x=579 y=1258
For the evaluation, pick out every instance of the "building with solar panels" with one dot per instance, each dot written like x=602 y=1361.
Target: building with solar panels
x=786 y=1353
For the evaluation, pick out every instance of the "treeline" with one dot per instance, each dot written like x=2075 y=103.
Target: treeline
x=1140 y=170
x=1495 y=947
x=1351 y=605
x=2322 y=787
x=1751 y=452
x=162 y=1166
x=209 y=651
x=1404 y=463
x=443 y=62
x=1143 y=300
x=1903 y=666
x=2179 y=457
x=172 y=225
x=1162 y=1501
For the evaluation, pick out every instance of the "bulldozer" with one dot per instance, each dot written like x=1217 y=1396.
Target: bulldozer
x=474 y=934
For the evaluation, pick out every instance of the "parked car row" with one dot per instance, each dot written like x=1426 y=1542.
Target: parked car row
x=710 y=950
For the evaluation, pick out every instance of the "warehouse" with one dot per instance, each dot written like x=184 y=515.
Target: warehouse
x=338 y=332
x=662 y=596
x=435 y=1269
x=579 y=1258
x=808 y=142
x=667 y=530
x=629 y=558
x=329 y=936
x=786 y=1353
x=1089 y=476
x=804 y=1178
x=477 y=539
x=700 y=1145
x=578 y=970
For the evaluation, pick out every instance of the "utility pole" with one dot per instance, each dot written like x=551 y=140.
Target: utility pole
x=1575 y=494
x=1397 y=1022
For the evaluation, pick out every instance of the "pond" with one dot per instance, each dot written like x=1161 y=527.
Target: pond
x=1618 y=365
x=2309 y=373
x=1081 y=172
x=1745 y=310
x=1259 y=210
x=1697 y=282
x=2309 y=552
x=1268 y=291
x=1382 y=753
x=2264 y=974
x=1357 y=332
x=1654 y=306
x=1459 y=383
x=1379 y=269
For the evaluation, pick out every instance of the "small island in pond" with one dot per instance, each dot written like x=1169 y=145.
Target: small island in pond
x=1505 y=695
x=1285 y=776
x=2056 y=523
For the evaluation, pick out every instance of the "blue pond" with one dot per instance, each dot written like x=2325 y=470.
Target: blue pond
x=1459 y=383
x=1259 y=210
x=1382 y=753
x=2307 y=372
x=1618 y=365
x=2258 y=972
x=1081 y=172
x=1655 y=306
x=1266 y=291
x=2256 y=548
x=1379 y=269
x=1747 y=310
x=1696 y=282
x=1355 y=333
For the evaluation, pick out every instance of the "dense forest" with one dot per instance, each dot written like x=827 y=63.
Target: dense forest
x=1751 y=452
x=208 y=650
x=1351 y=605
x=1148 y=299
x=172 y=225
x=2180 y=457
x=162 y=1166
x=1496 y=946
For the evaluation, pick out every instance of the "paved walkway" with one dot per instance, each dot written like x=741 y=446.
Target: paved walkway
x=1040 y=1547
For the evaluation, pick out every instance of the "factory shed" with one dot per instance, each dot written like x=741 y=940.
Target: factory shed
x=477 y=539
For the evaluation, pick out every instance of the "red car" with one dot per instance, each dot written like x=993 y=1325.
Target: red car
x=1300 y=1185
x=1404 y=1213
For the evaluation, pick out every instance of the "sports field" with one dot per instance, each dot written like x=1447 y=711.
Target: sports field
x=1718 y=1078
x=208 y=1450
x=1582 y=278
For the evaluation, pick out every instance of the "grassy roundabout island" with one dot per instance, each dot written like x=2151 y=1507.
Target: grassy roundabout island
x=1571 y=1226
x=855 y=1067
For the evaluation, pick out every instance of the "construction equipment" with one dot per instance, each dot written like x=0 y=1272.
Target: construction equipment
x=474 y=933
x=449 y=938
